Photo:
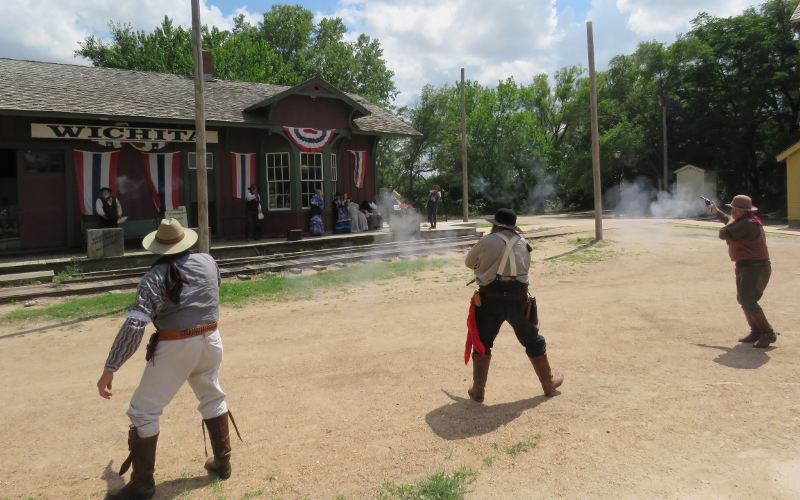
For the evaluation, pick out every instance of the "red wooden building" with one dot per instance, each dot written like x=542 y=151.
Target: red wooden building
x=55 y=118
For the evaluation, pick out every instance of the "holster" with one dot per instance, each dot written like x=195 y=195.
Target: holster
x=151 y=347
x=531 y=311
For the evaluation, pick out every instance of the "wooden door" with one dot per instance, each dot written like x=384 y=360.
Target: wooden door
x=42 y=201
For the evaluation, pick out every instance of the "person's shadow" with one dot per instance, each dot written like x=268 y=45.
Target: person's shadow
x=463 y=418
x=742 y=356
x=167 y=489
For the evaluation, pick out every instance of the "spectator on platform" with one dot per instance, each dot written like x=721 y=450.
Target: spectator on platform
x=108 y=208
x=316 y=225
x=358 y=221
x=341 y=211
x=253 y=213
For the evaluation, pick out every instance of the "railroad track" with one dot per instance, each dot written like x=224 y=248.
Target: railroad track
x=124 y=279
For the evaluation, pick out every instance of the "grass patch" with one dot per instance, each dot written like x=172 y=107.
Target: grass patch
x=582 y=240
x=238 y=293
x=586 y=253
x=523 y=446
x=252 y=494
x=440 y=486
x=488 y=460
x=69 y=271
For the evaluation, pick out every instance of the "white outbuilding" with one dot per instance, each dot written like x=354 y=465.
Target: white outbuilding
x=692 y=182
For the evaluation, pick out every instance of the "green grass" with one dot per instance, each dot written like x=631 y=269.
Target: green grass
x=237 y=293
x=584 y=254
x=252 y=494
x=488 y=460
x=523 y=446
x=439 y=486
x=67 y=273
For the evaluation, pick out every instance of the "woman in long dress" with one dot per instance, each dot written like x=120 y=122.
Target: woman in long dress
x=316 y=225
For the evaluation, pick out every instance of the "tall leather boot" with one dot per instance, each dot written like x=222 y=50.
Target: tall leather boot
x=480 y=372
x=142 y=457
x=220 y=463
x=549 y=380
x=754 y=331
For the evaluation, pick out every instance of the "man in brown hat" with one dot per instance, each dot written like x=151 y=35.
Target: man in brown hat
x=747 y=247
x=501 y=261
x=180 y=294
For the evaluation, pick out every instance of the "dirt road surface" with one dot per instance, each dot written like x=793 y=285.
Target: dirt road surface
x=352 y=387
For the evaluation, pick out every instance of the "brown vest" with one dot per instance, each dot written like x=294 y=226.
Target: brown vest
x=756 y=249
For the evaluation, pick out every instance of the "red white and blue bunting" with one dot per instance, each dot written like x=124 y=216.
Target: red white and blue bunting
x=309 y=140
x=243 y=172
x=164 y=178
x=92 y=172
x=359 y=167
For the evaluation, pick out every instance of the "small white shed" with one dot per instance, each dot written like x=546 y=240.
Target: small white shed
x=693 y=182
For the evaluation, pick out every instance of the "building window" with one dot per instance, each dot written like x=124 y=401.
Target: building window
x=334 y=168
x=310 y=176
x=209 y=161
x=278 y=182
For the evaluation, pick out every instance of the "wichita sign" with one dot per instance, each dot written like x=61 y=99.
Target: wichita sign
x=113 y=133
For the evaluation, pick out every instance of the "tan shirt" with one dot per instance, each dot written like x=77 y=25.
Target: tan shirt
x=485 y=257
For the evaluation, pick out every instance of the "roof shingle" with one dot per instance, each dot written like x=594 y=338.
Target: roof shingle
x=42 y=87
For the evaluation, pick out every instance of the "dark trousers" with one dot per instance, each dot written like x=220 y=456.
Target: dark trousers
x=495 y=310
x=752 y=277
x=252 y=229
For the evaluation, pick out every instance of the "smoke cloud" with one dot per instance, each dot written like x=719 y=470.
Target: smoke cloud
x=641 y=198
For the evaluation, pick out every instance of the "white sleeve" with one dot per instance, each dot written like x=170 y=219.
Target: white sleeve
x=98 y=206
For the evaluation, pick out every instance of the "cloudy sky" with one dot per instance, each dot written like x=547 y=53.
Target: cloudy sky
x=424 y=41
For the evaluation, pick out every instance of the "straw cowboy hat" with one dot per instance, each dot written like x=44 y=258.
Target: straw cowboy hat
x=170 y=238
x=505 y=217
x=742 y=202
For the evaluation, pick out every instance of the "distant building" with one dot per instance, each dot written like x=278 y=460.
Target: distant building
x=66 y=130
x=792 y=158
x=692 y=182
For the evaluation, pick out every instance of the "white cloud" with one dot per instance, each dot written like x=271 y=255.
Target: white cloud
x=49 y=30
x=647 y=17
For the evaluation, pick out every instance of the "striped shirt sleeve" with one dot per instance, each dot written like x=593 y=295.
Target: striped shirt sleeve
x=150 y=296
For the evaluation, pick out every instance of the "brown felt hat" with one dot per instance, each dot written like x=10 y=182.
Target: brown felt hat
x=742 y=202
x=170 y=238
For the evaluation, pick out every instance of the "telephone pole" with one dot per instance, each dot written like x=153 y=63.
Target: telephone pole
x=200 y=132
x=598 y=195
x=464 y=176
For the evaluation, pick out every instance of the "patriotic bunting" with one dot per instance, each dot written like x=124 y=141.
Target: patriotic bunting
x=164 y=178
x=309 y=140
x=92 y=172
x=243 y=172
x=359 y=167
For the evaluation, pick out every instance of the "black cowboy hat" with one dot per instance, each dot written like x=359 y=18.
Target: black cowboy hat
x=505 y=217
x=104 y=189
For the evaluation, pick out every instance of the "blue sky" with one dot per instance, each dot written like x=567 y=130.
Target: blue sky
x=424 y=41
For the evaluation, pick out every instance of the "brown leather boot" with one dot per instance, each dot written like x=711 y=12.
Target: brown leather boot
x=480 y=372
x=142 y=456
x=767 y=334
x=550 y=381
x=220 y=463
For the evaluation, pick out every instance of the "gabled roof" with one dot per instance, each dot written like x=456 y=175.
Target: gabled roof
x=791 y=149
x=316 y=87
x=689 y=166
x=33 y=88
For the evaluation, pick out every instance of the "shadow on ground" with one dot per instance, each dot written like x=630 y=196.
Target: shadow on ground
x=742 y=356
x=464 y=418
x=168 y=489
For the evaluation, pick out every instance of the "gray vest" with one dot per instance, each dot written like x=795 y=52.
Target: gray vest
x=199 y=298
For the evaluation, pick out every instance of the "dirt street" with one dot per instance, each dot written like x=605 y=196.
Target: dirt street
x=338 y=393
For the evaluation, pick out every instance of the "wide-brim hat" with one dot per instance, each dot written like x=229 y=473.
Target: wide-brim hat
x=100 y=191
x=505 y=217
x=742 y=202
x=170 y=238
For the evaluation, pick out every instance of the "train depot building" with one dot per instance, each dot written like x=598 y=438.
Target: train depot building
x=67 y=130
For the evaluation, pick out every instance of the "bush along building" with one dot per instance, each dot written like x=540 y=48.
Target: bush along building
x=68 y=130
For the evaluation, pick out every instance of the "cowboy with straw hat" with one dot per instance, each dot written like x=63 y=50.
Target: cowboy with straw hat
x=747 y=247
x=501 y=261
x=180 y=294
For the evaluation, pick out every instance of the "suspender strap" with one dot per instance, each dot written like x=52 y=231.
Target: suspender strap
x=507 y=257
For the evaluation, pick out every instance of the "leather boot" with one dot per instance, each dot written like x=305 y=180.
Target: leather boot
x=480 y=372
x=220 y=463
x=550 y=381
x=142 y=457
x=754 y=332
x=768 y=335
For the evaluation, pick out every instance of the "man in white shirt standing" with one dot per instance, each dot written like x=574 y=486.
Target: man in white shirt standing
x=108 y=208
x=501 y=261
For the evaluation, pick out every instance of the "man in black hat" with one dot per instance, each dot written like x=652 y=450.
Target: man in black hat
x=747 y=247
x=108 y=208
x=501 y=261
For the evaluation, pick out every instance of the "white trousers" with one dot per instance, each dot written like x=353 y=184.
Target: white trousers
x=196 y=360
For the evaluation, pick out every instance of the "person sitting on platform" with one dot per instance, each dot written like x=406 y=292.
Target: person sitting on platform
x=358 y=221
x=108 y=208
x=342 y=215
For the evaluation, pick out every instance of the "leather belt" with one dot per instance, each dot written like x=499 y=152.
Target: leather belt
x=189 y=332
x=504 y=295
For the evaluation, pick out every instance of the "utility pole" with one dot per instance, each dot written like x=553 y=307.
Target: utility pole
x=464 y=176
x=664 y=139
x=598 y=196
x=200 y=132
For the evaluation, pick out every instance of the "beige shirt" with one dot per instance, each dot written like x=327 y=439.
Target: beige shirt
x=485 y=257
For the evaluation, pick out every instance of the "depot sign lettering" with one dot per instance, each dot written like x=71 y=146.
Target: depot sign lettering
x=123 y=134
